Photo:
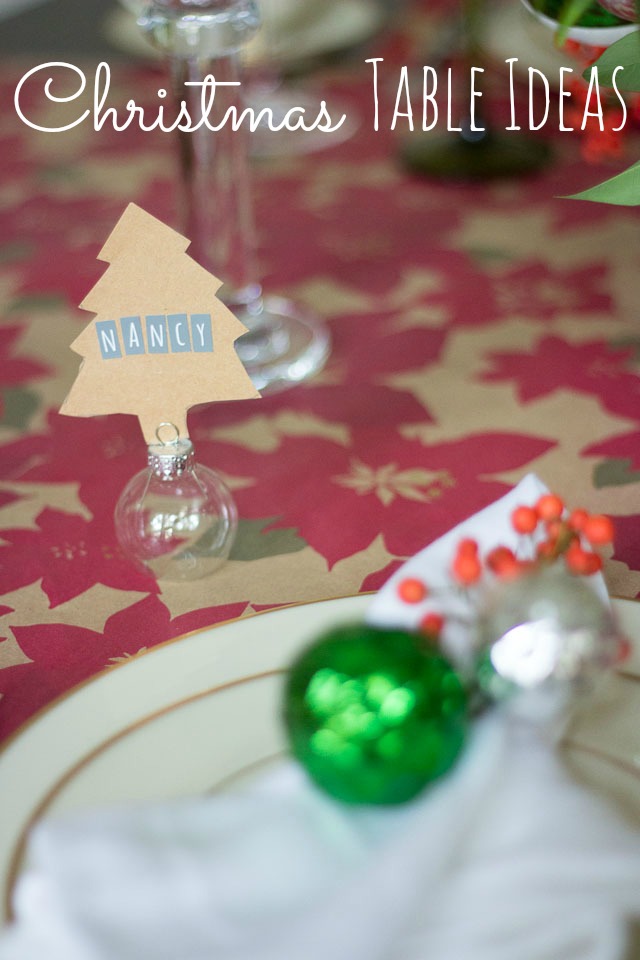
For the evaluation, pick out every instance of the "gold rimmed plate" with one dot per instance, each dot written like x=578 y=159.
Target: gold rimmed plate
x=194 y=713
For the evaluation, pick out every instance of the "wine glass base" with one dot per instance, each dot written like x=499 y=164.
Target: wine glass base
x=286 y=344
x=493 y=156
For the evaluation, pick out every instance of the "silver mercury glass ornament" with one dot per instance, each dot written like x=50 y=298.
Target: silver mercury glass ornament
x=176 y=517
x=544 y=640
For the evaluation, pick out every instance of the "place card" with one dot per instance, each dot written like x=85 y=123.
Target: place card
x=161 y=340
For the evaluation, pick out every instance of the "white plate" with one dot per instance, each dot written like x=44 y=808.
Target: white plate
x=190 y=714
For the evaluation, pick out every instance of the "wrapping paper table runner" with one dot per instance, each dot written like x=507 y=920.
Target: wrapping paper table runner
x=480 y=332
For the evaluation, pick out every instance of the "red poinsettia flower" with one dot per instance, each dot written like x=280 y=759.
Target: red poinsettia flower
x=376 y=580
x=367 y=348
x=361 y=240
x=622 y=459
x=101 y=454
x=72 y=227
x=357 y=404
x=6 y=497
x=553 y=364
x=63 y=655
x=624 y=445
x=543 y=291
x=379 y=484
x=465 y=293
x=16 y=369
x=69 y=554
x=627 y=541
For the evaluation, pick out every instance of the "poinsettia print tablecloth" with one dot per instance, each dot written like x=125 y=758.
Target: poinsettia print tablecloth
x=480 y=332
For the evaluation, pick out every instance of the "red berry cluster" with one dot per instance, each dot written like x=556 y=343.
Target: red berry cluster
x=565 y=535
x=414 y=590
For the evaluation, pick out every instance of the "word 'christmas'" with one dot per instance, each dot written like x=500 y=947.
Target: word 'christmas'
x=170 y=333
x=190 y=116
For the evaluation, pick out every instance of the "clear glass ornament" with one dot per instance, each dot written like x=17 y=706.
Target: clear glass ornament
x=176 y=517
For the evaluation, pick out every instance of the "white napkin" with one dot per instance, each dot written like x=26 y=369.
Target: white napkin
x=504 y=859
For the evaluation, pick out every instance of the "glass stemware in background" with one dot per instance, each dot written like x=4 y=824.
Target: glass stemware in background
x=475 y=154
x=286 y=343
x=267 y=86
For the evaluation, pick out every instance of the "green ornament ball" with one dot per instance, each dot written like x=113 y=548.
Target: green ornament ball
x=374 y=715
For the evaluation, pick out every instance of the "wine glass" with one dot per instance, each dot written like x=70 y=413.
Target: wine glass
x=286 y=342
x=267 y=89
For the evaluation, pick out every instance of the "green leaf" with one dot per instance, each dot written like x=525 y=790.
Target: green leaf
x=623 y=53
x=614 y=473
x=569 y=15
x=623 y=189
x=254 y=542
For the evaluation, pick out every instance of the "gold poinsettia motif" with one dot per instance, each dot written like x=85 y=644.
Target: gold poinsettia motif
x=388 y=482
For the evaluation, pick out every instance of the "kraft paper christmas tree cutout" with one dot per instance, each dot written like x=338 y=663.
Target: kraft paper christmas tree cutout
x=161 y=340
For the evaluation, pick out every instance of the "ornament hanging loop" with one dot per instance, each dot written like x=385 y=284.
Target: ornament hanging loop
x=177 y=517
x=163 y=441
x=171 y=455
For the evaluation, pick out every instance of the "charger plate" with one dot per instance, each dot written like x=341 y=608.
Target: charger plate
x=191 y=714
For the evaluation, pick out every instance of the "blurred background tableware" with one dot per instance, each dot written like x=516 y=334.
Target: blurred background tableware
x=477 y=151
x=308 y=31
x=294 y=34
x=267 y=86
x=599 y=26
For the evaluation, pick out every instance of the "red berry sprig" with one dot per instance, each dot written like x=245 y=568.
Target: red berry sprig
x=503 y=562
x=570 y=535
x=524 y=519
x=432 y=624
x=467 y=567
x=564 y=537
x=412 y=590
x=564 y=534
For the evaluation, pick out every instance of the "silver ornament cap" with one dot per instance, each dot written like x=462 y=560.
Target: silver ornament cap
x=170 y=460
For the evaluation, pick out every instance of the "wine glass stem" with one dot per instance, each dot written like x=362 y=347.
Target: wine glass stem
x=217 y=209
